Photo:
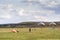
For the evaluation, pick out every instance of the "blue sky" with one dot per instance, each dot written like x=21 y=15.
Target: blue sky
x=15 y=11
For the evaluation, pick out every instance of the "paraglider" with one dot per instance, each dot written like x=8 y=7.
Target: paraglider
x=41 y=23
x=52 y=24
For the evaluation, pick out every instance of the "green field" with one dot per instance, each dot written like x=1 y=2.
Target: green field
x=35 y=34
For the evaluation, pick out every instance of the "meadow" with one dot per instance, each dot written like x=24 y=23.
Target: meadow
x=35 y=34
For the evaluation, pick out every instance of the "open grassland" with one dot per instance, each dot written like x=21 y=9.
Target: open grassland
x=35 y=34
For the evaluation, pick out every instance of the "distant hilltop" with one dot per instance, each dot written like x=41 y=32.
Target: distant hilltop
x=31 y=24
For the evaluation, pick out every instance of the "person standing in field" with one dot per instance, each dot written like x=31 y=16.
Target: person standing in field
x=29 y=29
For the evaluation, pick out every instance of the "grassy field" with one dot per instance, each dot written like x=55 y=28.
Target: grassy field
x=35 y=34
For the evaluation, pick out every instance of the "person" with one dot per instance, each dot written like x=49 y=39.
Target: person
x=17 y=31
x=29 y=29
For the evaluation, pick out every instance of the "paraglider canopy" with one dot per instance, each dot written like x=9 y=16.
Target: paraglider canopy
x=41 y=23
x=52 y=23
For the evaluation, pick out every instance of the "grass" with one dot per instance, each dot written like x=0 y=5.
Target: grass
x=35 y=34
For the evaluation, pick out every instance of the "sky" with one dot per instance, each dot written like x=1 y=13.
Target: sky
x=15 y=11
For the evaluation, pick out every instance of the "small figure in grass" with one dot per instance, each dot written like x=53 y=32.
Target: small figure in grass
x=29 y=29
x=17 y=31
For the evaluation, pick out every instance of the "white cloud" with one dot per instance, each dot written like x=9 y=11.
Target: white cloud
x=5 y=11
x=21 y=12
x=50 y=18
x=53 y=4
x=48 y=12
x=42 y=11
x=10 y=7
x=29 y=0
x=6 y=16
x=39 y=17
x=50 y=3
x=43 y=18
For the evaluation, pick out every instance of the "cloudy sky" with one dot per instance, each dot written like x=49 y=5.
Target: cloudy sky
x=15 y=11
